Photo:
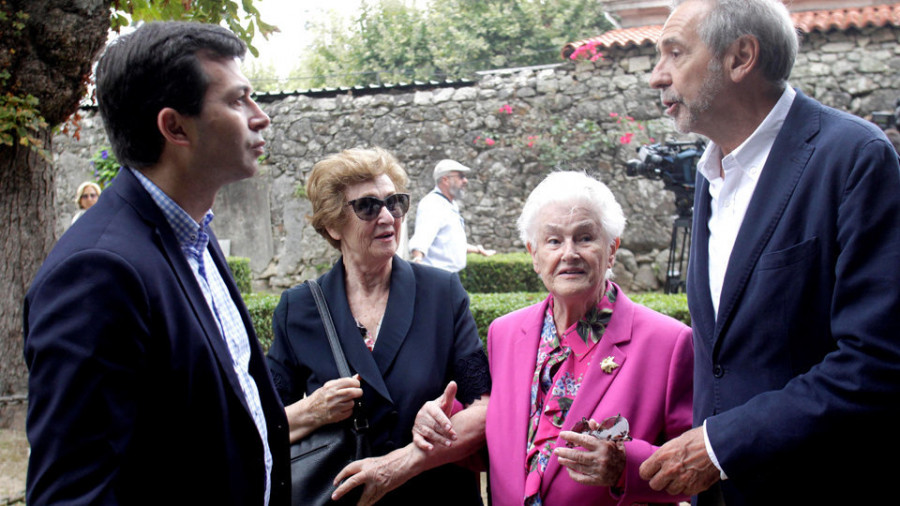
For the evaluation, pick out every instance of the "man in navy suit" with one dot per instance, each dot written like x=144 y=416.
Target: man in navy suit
x=146 y=381
x=794 y=278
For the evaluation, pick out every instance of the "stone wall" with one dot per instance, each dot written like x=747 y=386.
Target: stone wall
x=500 y=125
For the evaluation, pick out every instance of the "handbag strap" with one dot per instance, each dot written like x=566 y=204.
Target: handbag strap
x=360 y=422
x=343 y=368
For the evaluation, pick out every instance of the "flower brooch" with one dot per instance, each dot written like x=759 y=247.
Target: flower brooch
x=608 y=365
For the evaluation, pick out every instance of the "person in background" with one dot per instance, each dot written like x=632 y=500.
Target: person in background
x=793 y=284
x=86 y=196
x=405 y=329
x=147 y=384
x=440 y=235
x=586 y=353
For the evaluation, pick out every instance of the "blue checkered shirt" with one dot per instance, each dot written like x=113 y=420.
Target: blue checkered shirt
x=194 y=244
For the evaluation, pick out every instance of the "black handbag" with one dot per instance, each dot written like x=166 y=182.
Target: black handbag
x=320 y=456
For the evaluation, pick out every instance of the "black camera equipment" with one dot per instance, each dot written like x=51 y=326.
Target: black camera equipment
x=884 y=119
x=887 y=119
x=675 y=164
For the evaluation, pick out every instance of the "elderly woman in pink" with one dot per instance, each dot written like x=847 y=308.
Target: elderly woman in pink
x=585 y=355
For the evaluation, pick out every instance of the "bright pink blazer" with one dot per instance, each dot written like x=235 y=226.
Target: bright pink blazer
x=652 y=388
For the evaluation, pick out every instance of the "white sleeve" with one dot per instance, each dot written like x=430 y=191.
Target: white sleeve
x=428 y=223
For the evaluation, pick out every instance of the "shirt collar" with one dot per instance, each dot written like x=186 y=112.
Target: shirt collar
x=441 y=194
x=189 y=234
x=569 y=337
x=751 y=155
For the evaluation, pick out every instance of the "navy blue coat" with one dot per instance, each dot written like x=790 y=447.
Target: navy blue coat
x=132 y=395
x=799 y=376
x=427 y=338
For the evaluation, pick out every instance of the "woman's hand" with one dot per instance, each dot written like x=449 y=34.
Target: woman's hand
x=331 y=403
x=597 y=462
x=378 y=475
x=432 y=425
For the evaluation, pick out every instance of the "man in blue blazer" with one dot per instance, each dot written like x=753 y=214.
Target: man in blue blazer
x=794 y=278
x=146 y=381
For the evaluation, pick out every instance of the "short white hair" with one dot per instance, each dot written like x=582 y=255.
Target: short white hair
x=575 y=189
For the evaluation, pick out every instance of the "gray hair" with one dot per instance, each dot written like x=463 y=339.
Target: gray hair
x=575 y=188
x=766 y=20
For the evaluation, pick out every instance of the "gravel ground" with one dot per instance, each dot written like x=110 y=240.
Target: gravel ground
x=13 y=463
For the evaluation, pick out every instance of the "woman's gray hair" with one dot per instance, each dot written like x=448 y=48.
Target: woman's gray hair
x=767 y=20
x=576 y=189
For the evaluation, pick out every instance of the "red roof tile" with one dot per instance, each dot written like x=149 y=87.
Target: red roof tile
x=841 y=19
x=807 y=21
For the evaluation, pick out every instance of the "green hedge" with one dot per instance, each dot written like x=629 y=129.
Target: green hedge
x=674 y=305
x=485 y=307
x=261 y=307
x=240 y=269
x=501 y=273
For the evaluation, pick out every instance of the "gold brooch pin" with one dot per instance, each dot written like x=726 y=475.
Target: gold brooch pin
x=609 y=365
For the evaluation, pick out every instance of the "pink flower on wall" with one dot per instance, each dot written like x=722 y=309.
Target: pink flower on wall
x=588 y=51
x=506 y=109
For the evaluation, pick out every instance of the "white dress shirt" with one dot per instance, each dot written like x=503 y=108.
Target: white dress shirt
x=731 y=194
x=732 y=180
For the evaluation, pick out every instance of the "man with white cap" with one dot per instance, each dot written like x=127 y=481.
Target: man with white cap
x=440 y=236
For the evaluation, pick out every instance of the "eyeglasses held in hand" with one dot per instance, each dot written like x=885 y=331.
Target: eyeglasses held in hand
x=614 y=428
x=368 y=208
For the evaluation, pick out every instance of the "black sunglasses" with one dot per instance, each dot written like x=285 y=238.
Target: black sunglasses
x=368 y=208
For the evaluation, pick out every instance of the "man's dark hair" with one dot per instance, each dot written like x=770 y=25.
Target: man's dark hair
x=156 y=66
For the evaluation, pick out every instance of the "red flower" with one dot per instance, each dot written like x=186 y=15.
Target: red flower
x=585 y=49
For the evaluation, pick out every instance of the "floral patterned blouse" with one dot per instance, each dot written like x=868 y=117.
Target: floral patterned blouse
x=562 y=362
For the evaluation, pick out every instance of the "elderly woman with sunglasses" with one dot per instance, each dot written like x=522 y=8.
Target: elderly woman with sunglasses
x=405 y=329
x=586 y=383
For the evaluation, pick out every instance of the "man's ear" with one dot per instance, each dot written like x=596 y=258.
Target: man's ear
x=172 y=126
x=742 y=57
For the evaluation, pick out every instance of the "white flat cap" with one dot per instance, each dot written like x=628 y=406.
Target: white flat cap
x=445 y=167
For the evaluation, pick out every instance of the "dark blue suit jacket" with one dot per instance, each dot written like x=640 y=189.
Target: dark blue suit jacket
x=798 y=376
x=132 y=395
x=427 y=338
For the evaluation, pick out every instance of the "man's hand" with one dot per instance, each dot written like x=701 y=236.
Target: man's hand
x=432 y=425
x=681 y=466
